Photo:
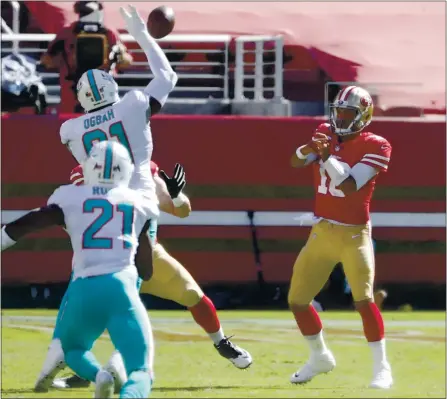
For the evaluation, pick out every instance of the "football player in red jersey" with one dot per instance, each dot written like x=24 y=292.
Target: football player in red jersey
x=346 y=161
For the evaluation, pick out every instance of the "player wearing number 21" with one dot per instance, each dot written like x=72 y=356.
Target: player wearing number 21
x=107 y=223
x=346 y=161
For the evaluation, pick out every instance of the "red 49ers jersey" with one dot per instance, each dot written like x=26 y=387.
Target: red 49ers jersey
x=330 y=202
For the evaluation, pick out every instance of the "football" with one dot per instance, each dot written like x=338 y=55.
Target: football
x=160 y=22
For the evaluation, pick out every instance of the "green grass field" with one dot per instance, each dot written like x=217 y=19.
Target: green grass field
x=187 y=365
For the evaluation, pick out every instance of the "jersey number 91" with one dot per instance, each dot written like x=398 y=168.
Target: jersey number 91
x=116 y=130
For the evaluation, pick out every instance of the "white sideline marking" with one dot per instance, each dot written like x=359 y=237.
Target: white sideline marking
x=240 y=218
x=358 y=339
x=270 y=322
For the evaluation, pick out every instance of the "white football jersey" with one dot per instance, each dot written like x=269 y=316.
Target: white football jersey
x=104 y=224
x=126 y=121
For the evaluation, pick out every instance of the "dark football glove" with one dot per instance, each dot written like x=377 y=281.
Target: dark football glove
x=175 y=184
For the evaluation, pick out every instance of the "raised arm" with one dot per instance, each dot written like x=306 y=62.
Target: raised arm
x=165 y=78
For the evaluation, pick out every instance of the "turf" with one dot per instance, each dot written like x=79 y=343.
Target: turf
x=187 y=365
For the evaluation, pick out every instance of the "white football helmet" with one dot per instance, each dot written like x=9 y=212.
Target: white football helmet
x=108 y=163
x=351 y=111
x=96 y=89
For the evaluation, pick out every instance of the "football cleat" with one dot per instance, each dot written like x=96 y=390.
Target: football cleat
x=236 y=355
x=72 y=381
x=318 y=364
x=382 y=378
x=115 y=367
x=104 y=384
x=44 y=382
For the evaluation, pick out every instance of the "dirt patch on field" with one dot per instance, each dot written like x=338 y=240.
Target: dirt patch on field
x=390 y=334
x=185 y=337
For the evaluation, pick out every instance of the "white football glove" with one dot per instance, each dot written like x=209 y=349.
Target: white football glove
x=134 y=23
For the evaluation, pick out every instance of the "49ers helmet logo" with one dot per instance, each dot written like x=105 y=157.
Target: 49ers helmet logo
x=366 y=101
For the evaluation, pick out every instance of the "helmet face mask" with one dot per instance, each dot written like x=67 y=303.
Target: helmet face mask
x=351 y=111
x=96 y=89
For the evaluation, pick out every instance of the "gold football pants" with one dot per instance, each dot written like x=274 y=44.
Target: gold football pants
x=327 y=245
x=170 y=280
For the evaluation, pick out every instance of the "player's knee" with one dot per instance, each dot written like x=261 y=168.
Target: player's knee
x=296 y=303
x=192 y=295
x=360 y=303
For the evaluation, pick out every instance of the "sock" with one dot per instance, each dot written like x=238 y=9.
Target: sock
x=104 y=384
x=379 y=352
x=372 y=322
x=137 y=386
x=217 y=336
x=55 y=357
x=205 y=315
x=83 y=363
x=316 y=342
x=308 y=321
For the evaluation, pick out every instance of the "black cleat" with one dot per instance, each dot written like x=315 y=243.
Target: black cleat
x=73 y=381
x=236 y=355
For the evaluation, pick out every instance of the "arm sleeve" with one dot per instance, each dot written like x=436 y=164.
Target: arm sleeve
x=362 y=174
x=378 y=155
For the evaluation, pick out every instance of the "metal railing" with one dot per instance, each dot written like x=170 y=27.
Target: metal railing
x=210 y=76
x=258 y=75
x=200 y=73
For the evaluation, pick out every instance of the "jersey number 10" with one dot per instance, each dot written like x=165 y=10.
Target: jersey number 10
x=89 y=239
x=323 y=187
x=116 y=130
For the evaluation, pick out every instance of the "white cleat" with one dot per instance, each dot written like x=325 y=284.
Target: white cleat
x=317 y=364
x=104 y=385
x=45 y=381
x=382 y=377
x=115 y=367
x=235 y=354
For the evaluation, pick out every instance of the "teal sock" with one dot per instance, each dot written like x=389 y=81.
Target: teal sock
x=138 y=385
x=83 y=363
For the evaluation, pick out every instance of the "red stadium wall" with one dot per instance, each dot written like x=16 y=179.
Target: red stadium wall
x=234 y=163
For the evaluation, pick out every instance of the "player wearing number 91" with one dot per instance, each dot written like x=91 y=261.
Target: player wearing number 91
x=125 y=120
x=107 y=223
x=346 y=161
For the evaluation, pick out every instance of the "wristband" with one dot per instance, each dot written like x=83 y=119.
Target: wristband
x=7 y=241
x=299 y=154
x=336 y=170
x=179 y=200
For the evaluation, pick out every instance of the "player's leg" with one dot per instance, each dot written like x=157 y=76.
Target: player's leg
x=311 y=270
x=82 y=322
x=172 y=281
x=54 y=361
x=358 y=264
x=131 y=333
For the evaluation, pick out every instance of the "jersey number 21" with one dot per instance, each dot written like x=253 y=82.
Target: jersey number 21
x=89 y=239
